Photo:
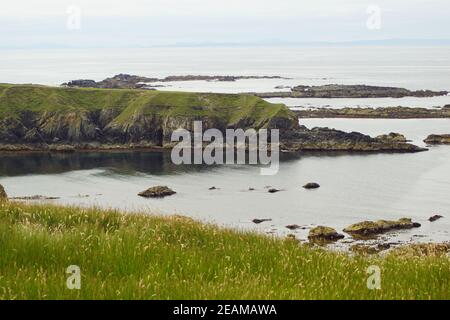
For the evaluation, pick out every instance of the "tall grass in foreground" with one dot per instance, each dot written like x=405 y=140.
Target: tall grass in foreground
x=138 y=256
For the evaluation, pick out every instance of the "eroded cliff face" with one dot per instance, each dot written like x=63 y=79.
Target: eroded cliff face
x=147 y=117
x=103 y=127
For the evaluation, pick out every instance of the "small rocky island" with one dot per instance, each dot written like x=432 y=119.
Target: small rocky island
x=349 y=91
x=34 y=117
x=438 y=139
x=126 y=81
x=376 y=113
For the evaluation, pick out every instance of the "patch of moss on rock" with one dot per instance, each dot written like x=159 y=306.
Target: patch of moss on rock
x=392 y=137
x=321 y=233
x=367 y=228
x=157 y=192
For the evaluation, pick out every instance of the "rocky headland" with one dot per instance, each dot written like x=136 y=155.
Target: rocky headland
x=40 y=118
x=349 y=91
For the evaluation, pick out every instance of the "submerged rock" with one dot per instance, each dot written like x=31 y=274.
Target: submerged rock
x=258 y=221
x=293 y=227
x=322 y=233
x=438 y=139
x=157 y=192
x=35 y=197
x=366 y=228
x=435 y=217
x=311 y=185
x=3 y=195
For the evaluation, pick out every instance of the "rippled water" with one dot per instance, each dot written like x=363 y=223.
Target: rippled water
x=355 y=187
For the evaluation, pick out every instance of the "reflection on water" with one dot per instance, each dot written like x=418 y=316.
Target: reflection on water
x=354 y=187
x=125 y=163
x=117 y=162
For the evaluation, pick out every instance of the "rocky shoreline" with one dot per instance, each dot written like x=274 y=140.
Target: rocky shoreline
x=376 y=113
x=349 y=91
x=302 y=139
x=366 y=237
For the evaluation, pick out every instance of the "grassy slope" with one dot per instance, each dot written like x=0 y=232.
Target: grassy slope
x=15 y=99
x=137 y=256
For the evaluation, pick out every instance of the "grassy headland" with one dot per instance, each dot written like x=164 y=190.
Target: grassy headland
x=137 y=256
x=42 y=116
x=36 y=118
x=15 y=99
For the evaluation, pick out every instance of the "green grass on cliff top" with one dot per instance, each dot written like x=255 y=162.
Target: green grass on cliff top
x=16 y=99
x=138 y=256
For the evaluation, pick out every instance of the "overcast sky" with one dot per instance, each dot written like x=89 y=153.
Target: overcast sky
x=130 y=23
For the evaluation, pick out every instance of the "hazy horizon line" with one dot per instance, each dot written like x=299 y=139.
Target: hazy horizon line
x=378 y=42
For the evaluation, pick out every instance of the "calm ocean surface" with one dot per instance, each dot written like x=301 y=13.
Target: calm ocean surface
x=355 y=187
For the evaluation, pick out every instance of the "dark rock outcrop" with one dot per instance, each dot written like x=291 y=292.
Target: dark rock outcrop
x=311 y=185
x=157 y=192
x=435 y=217
x=325 y=139
x=259 y=221
x=293 y=227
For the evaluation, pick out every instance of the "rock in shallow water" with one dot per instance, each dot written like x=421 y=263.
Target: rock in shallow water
x=35 y=197
x=311 y=185
x=438 y=139
x=157 y=192
x=366 y=228
x=258 y=221
x=435 y=217
x=321 y=233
